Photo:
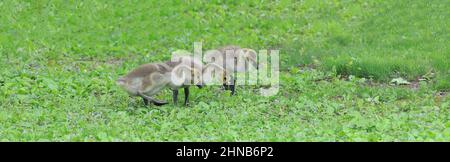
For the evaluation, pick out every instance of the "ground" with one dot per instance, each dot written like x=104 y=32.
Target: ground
x=60 y=59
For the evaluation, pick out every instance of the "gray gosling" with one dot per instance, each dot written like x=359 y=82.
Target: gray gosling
x=147 y=80
x=234 y=59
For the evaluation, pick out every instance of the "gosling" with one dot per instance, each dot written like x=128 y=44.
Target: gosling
x=147 y=80
x=233 y=60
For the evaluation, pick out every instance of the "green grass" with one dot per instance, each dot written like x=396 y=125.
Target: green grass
x=59 y=60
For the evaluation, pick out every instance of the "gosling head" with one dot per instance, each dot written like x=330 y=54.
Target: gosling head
x=213 y=73
x=185 y=75
x=198 y=79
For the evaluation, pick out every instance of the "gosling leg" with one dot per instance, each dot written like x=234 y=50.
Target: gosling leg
x=154 y=101
x=175 y=96
x=233 y=87
x=186 y=96
x=145 y=101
